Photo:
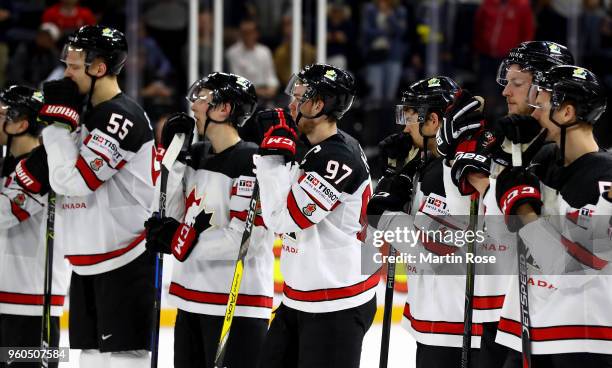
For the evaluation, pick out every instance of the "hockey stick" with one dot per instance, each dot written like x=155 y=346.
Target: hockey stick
x=45 y=338
x=469 y=286
x=390 y=289
x=523 y=278
x=237 y=279
x=170 y=157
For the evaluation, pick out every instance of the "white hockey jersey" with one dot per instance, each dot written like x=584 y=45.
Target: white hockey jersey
x=105 y=185
x=570 y=284
x=320 y=207
x=23 y=225
x=222 y=185
x=434 y=310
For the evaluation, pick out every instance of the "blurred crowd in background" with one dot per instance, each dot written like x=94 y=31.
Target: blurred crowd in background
x=386 y=44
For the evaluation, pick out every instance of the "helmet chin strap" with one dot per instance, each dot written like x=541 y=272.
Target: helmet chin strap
x=211 y=120
x=563 y=128
x=300 y=114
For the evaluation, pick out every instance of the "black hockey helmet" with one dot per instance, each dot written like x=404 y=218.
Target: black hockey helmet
x=576 y=85
x=98 y=41
x=534 y=57
x=425 y=96
x=333 y=85
x=21 y=101
x=227 y=88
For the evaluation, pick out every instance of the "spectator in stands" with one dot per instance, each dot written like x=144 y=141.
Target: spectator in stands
x=6 y=10
x=384 y=29
x=34 y=61
x=340 y=34
x=499 y=26
x=253 y=61
x=205 y=42
x=282 y=54
x=69 y=16
x=158 y=79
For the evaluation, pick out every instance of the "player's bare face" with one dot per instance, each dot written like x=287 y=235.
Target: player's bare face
x=76 y=70
x=517 y=90
x=542 y=114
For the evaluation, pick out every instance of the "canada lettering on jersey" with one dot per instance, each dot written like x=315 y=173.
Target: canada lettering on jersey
x=73 y=206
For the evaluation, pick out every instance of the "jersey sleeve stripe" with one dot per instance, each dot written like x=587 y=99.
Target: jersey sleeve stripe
x=19 y=212
x=88 y=175
x=296 y=214
x=29 y=299
x=439 y=327
x=92 y=259
x=197 y=296
x=555 y=333
x=583 y=255
x=332 y=294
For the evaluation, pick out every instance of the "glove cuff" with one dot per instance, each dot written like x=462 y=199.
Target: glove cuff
x=60 y=114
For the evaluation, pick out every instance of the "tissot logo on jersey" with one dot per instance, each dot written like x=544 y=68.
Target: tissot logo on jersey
x=106 y=146
x=320 y=190
x=435 y=205
x=244 y=186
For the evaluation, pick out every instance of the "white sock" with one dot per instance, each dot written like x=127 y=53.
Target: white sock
x=130 y=359
x=93 y=358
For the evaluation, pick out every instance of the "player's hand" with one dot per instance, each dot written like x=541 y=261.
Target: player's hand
x=394 y=151
x=159 y=233
x=515 y=187
x=463 y=118
x=280 y=138
x=63 y=104
x=32 y=173
x=472 y=156
x=178 y=123
x=520 y=129
x=392 y=194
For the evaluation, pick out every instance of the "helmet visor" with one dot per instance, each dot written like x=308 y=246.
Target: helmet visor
x=511 y=72
x=72 y=54
x=299 y=89
x=405 y=115
x=198 y=92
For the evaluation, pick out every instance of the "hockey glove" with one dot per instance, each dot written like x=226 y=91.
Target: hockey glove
x=463 y=117
x=280 y=138
x=178 y=123
x=472 y=156
x=32 y=173
x=167 y=235
x=517 y=186
x=394 y=151
x=519 y=129
x=63 y=104
x=392 y=194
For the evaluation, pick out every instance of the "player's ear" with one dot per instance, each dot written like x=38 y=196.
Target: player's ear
x=99 y=68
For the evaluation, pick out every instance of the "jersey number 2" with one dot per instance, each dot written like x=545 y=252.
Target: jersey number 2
x=115 y=124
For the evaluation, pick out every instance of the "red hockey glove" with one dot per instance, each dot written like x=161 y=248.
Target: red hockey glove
x=62 y=104
x=32 y=173
x=517 y=186
x=280 y=138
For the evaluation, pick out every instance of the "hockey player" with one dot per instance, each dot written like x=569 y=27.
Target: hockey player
x=208 y=201
x=100 y=166
x=566 y=231
x=23 y=206
x=433 y=313
x=320 y=206
x=473 y=171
